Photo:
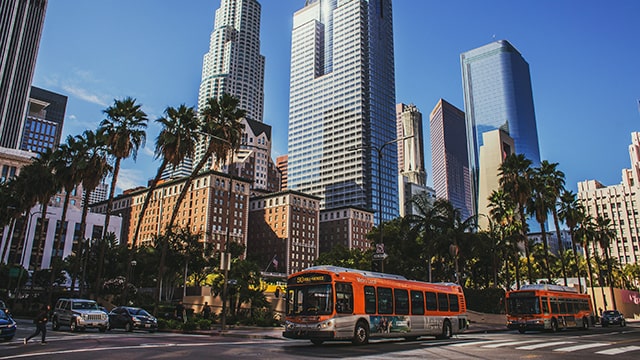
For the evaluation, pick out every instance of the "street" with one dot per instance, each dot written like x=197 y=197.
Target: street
x=596 y=343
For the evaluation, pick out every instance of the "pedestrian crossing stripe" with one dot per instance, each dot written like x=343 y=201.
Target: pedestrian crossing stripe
x=581 y=347
x=545 y=344
x=493 y=346
x=617 y=351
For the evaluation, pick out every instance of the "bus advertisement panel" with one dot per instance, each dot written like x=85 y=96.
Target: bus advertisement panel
x=548 y=307
x=334 y=303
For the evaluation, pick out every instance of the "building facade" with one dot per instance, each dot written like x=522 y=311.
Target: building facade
x=21 y=23
x=498 y=95
x=450 y=157
x=620 y=204
x=411 y=148
x=234 y=64
x=282 y=164
x=45 y=118
x=342 y=105
x=284 y=227
x=347 y=227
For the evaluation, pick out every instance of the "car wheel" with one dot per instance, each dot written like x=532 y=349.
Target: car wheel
x=361 y=333
x=73 y=325
x=103 y=329
x=623 y=323
x=55 y=325
x=316 y=341
x=128 y=327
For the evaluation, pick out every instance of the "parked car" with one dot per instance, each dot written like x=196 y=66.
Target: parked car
x=3 y=307
x=612 y=317
x=130 y=318
x=79 y=314
x=7 y=326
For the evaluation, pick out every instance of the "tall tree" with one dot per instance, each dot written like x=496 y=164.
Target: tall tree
x=124 y=130
x=572 y=213
x=539 y=205
x=604 y=234
x=502 y=209
x=175 y=142
x=515 y=179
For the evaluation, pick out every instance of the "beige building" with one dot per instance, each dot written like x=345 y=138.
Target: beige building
x=204 y=209
x=620 y=204
x=497 y=145
x=284 y=231
x=347 y=226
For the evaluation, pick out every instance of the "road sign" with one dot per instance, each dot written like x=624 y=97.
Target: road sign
x=379 y=248
x=378 y=256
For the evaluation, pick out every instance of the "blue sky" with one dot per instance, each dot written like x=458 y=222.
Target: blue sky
x=583 y=56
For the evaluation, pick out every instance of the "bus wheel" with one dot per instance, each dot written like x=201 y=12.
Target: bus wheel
x=317 y=341
x=446 y=331
x=361 y=333
x=554 y=325
x=585 y=323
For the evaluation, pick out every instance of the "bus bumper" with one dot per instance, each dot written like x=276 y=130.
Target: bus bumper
x=524 y=325
x=309 y=334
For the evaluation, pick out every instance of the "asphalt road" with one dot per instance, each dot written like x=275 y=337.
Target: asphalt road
x=596 y=343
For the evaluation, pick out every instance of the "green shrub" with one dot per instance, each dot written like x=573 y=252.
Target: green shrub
x=189 y=326
x=204 y=324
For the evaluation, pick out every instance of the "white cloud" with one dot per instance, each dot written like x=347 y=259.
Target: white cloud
x=85 y=95
x=147 y=150
x=129 y=179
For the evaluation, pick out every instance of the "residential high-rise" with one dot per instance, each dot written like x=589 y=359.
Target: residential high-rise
x=620 y=204
x=342 y=105
x=21 y=24
x=498 y=95
x=449 y=157
x=234 y=64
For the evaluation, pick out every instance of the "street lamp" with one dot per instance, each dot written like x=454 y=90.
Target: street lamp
x=380 y=252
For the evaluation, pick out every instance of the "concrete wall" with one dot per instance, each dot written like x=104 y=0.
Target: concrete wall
x=627 y=302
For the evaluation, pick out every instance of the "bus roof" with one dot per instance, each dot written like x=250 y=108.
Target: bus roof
x=338 y=269
x=548 y=287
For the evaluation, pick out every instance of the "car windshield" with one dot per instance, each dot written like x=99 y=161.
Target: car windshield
x=3 y=315
x=84 y=305
x=139 y=312
x=310 y=300
x=610 y=313
x=523 y=306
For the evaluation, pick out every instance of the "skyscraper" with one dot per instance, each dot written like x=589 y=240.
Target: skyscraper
x=411 y=149
x=21 y=24
x=449 y=157
x=498 y=95
x=234 y=64
x=342 y=105
x=45 y=117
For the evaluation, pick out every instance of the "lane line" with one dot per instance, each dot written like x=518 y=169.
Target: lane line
x=617 y=351
x=538 y=346
x=581 y=347
x=493 y=346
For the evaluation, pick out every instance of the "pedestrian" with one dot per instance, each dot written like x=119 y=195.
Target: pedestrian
x=180 y=312
x=41 y=324
x=206 y=310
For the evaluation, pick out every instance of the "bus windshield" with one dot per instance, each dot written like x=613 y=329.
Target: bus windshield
x=523 y=305
x=310 y=300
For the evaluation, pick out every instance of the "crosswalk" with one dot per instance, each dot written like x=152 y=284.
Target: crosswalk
x=601 y=348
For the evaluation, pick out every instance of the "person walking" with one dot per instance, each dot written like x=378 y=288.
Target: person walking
x=206 y=311
x=41 y=324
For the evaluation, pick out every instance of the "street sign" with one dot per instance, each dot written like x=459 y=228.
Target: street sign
x=378 y=256
x=379 y=248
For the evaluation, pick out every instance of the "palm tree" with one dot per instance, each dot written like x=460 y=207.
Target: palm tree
x=456 y=233
x=604 y=234
x=125 y=131
x=220 y=123
x=13 y=208
x=92 y=167
x=502 y=211
x=539 y=205
x=554 y=180
x=515 y=179
x=572 y=213
x=176 y=140
x=424 y=224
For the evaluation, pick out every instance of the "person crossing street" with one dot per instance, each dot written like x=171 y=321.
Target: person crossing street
x=41 y=325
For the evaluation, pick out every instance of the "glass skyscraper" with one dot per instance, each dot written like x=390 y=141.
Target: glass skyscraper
x=342 y=105
x=498 y=95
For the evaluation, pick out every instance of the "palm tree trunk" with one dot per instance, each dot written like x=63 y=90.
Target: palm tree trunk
x=546 y=252
x=610 y=277
x=82 y=245
x=560 y=247
x=54 y=269
x=517 y=265
x=12 y=226
x=593 y=291
x=105 y=230
x=43 y=237
x=526 y=243
x=575 y=258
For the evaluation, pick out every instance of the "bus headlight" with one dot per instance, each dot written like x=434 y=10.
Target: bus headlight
x=326 y=324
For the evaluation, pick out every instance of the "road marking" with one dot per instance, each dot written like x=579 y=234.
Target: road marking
x=547 y=344
x=617 y=351
x=581 y=347
x=493 y=346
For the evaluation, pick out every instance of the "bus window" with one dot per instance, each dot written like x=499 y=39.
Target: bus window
x=369 y=300
x=401 y=298
x=344 y=298
x=443 y=302
x=453 y=302
x=545 y=305
x=432 y=303
x=555 y=309
x=417 y=303
x=563 y=306
x=385 y=301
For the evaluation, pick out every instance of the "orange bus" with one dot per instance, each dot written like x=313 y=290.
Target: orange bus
x=548 y=307
x=335 y=303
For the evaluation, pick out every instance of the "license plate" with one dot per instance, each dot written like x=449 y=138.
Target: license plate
x=147 y=325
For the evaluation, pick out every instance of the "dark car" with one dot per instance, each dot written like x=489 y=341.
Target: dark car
x=612 y=317
x=3 y=307
x=7 y=326
x=130 y=318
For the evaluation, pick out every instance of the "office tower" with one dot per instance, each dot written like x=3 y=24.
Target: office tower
x=497 y=95
x=619 y=203
x=411 y=148
x=21 y=24
x=449 y=157
x=282 y=164
x=45 y=117
x=496 y=146
x=341 y=105
x=234 y=64
x=253 y=159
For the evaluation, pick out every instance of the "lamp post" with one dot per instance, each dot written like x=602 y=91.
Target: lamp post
x=380 y=254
